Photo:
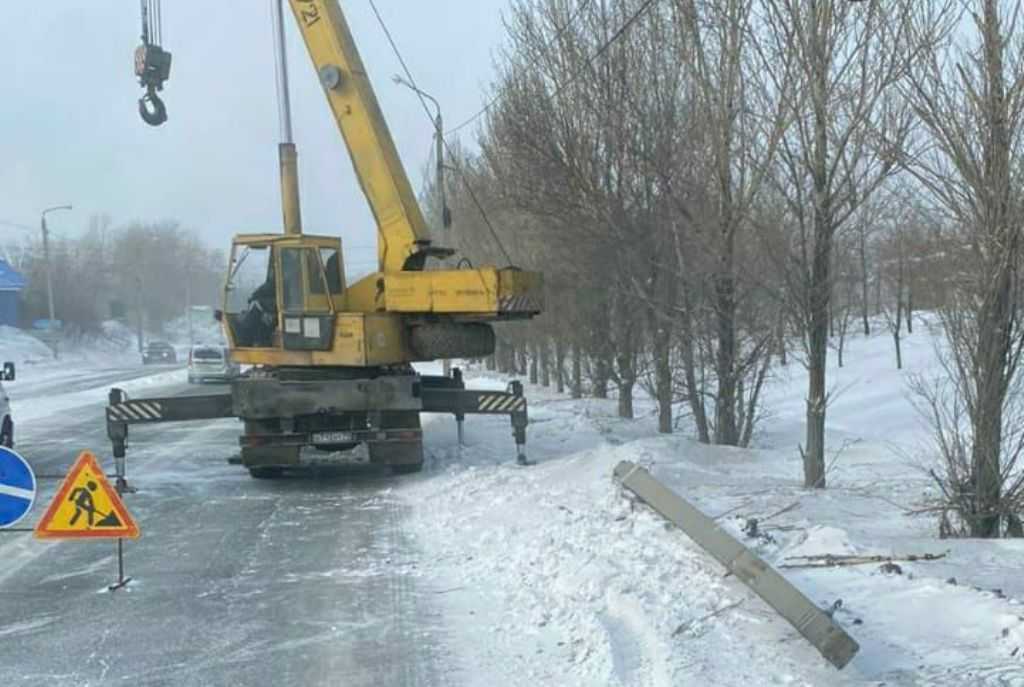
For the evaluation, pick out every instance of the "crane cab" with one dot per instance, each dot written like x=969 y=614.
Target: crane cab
x=283 y=293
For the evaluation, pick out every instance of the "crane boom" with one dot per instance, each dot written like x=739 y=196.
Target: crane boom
x=401 y=227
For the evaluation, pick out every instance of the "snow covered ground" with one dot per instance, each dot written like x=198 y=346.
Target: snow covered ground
x=549 y=575
x=82 y=374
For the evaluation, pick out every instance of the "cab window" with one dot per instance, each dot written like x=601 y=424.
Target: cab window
x=332 y=266
x=291 y=278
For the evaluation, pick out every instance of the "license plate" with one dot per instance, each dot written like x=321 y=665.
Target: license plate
x=333 y=438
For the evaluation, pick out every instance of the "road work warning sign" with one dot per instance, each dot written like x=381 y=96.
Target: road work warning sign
x=86 y=507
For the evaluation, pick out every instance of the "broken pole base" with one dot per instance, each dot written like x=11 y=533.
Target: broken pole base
x=815 y=625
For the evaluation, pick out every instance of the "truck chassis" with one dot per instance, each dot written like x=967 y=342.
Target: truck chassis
x=295 y=418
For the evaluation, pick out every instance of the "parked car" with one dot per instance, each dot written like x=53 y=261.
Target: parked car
x=211 y=363
x=158 y=352
x=6 y=419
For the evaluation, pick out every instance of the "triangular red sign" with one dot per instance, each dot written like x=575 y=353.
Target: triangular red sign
x=86 y=507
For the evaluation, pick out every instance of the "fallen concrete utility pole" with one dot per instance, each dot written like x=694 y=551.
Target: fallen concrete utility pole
x=809 y=620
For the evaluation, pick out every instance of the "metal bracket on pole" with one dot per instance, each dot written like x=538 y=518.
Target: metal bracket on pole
x=810 y=621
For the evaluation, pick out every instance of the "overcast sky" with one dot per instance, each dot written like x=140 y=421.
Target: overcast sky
x=70 y=131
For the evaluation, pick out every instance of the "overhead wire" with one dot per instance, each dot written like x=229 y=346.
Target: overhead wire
x=412 y=80
x=605 y=46
x=558 y=35
x=618 y=34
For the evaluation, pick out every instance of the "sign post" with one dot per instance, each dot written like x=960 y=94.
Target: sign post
x=88 y=507
x=17 y=488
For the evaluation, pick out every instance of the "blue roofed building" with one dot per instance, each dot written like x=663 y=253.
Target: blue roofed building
x=11 y=285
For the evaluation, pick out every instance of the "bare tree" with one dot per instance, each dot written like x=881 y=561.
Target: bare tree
x=846 y=127
x=969 y=96
x=743 y=121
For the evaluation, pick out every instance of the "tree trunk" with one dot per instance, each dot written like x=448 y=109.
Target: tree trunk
x=726 y=432
x=663 y=379
x=839 y=348
x=781 y=340
x=626 y=377
x=560 y=365
x=545 y=364
x=492 y=364
x=899 y=309
x=910 y=310
x=752 y=402
x=577 y=371
x=994 y=346
x=820 y=294
x=814 y=456
x=626 y=385
x=534 y=363
x=864 y=279
x=600 y=375
x=694 y=394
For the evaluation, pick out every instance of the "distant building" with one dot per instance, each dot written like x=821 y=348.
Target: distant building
x=11 y=285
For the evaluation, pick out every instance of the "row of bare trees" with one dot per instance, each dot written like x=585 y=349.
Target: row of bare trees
x=145 y=274
x=708 y=184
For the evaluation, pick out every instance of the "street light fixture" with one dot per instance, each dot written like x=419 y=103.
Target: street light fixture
x=49 y=273
x=446 y=215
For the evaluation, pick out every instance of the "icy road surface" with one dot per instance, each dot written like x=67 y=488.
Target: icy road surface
x=305 y=581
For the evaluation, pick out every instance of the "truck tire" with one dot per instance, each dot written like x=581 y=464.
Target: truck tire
x=265 y=473
x=434 y=341
x=403 y=457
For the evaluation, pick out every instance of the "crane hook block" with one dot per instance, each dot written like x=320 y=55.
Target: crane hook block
x=152 y=109
x=153 y=67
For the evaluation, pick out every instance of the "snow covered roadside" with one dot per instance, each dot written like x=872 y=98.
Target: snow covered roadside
x=27 y=410
x=549 y=575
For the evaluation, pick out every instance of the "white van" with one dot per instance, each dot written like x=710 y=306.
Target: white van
x=6 y=420
x=211 y=363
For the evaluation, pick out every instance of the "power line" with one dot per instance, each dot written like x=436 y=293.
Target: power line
x=423 y=102
x=605 y=46
x=561 y=32
x=589 y=62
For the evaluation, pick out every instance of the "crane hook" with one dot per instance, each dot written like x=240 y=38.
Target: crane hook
x=152 y=108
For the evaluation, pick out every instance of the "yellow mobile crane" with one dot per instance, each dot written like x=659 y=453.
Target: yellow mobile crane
x=332 y=362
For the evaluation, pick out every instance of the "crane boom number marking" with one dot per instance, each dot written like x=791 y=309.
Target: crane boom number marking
x=310 y=14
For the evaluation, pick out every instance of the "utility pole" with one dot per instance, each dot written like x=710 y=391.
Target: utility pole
x=444 y=214
x=49 y=276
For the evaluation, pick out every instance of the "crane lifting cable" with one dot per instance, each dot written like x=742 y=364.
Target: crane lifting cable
x=152 y=64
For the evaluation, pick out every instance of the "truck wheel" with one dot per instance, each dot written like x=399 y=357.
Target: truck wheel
x=7 y=434
x=265 y=473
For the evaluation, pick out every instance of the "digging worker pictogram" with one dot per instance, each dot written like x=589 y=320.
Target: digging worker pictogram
x=82 y=498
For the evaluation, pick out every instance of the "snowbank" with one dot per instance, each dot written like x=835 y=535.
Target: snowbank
x=21 y=348
x=550 y=575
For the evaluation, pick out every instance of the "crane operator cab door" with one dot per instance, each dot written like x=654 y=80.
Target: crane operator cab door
x=282 y=295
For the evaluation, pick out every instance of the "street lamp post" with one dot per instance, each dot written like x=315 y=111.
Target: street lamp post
x=445 y=219
x=49 y=274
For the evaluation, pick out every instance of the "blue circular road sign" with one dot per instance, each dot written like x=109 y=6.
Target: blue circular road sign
x=17 y=487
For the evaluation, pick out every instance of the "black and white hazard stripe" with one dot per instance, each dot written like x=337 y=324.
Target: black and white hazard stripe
x=519 y=304
x=136 y=411
x=500 y=403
